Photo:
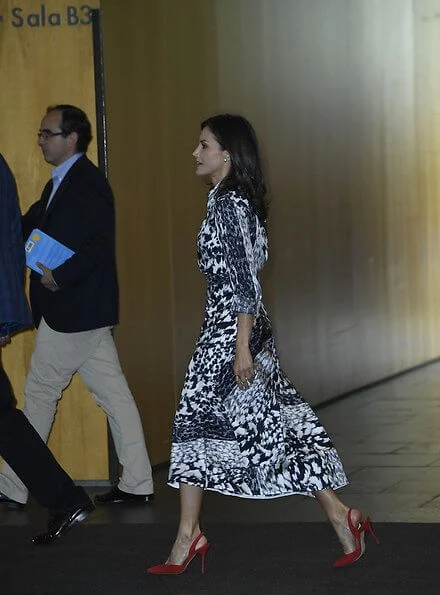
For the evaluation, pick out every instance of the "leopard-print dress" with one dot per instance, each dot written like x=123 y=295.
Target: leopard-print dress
x=263 y=442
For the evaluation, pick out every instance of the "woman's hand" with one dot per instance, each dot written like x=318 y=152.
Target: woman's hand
x=243 y=367
x=243 y=364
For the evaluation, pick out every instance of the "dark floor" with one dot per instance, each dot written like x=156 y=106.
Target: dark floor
x=388 y=438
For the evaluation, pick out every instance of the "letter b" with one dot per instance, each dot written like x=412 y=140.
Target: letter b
x=72 y=15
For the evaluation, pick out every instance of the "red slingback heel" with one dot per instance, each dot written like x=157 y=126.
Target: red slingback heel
x=179 y=568
x=359 y=535
x=366 y=527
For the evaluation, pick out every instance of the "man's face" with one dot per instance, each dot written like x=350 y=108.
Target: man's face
x=56 y=148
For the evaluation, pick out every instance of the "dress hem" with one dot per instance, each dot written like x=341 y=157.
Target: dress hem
x=175 y=485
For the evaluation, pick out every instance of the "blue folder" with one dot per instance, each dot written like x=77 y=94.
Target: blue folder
x=42 y=248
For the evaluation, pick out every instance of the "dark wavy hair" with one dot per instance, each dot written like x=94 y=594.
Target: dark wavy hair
x=237 y=136
x=73 y=119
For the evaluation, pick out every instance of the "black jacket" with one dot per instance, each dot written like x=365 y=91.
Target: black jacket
x=81 y=216
x=14 y=310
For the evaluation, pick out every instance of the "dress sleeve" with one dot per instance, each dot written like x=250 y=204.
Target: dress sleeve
x=233 y=220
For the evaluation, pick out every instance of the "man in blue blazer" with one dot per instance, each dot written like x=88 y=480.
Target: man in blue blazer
x=75 y=305
x=20 y=444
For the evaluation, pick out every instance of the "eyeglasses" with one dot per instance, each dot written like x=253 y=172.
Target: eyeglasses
x=45 y=134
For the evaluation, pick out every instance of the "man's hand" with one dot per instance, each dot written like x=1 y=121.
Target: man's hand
x=47 y=278
x=5 y=340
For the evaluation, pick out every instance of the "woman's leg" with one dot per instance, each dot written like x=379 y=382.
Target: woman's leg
x=337 y=513
x=189 y=527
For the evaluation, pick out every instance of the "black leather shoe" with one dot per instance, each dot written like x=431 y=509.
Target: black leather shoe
x=12 y=504
x=117 y=496
x=60 y=524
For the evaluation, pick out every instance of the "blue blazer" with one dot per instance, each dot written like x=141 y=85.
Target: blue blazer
x=14 y=310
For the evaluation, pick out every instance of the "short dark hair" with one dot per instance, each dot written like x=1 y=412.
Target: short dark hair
x=74 y=119
x=236 y=135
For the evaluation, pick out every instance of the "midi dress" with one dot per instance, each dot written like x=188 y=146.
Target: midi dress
x=264 y=441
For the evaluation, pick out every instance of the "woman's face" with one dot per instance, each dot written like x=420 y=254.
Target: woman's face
x=211 y=159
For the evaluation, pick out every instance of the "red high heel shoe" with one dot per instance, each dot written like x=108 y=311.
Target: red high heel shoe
x=179 y=568
x=359 y=535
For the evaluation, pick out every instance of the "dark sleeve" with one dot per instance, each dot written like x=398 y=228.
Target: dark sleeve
x=29 y=220
x=233 y=219
x=11 y=241
x=14 y=311
x=98 y=249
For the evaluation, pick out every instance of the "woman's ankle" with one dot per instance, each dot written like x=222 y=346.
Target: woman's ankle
x=188 y=532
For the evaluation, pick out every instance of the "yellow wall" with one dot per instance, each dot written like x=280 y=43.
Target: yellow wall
x=43 y=62
x=344 y=95
x=153 y=109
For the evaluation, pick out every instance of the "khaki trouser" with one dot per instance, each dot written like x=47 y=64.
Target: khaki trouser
x=56 y=357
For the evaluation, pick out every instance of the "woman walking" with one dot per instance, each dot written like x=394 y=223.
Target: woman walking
x=241 y=428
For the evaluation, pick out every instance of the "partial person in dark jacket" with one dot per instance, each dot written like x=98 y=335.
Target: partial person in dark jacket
x=20 y=444
x=75 y=305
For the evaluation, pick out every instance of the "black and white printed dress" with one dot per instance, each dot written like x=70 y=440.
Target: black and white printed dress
x=263 y=442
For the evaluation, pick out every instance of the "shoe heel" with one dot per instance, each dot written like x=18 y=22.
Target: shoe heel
x=366 y=526
x=202 y=555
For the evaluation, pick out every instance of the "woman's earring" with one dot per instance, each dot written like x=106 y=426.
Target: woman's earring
x=227 y=159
